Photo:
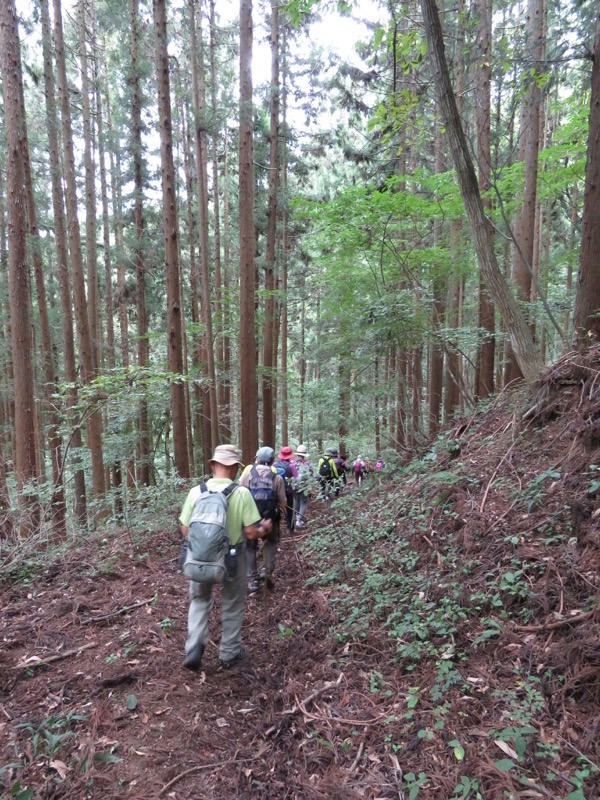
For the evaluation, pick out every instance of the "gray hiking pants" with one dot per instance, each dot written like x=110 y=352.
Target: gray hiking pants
x=233 y=598
x=300 y=506
x=269 y=554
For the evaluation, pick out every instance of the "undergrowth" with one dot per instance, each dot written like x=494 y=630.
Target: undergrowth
x=393 y=569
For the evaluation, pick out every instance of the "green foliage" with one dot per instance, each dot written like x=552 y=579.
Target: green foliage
x=533 y=494
x=49 y=736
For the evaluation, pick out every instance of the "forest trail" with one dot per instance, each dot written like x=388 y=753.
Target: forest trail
x=449 y=646
x=91 y=662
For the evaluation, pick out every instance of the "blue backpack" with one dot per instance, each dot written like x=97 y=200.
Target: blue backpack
x=284 y=469
x=262 y=490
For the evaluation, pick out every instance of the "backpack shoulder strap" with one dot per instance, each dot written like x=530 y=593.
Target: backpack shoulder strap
x=203 y=488
x=229 y=489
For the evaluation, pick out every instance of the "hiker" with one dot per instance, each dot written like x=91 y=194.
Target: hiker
x=379 y=465
x=301 y=486
x=244 y=523
x=268 y=490
x=287 y=469
x=327 y=473
x=359 y=470
x=341 y=466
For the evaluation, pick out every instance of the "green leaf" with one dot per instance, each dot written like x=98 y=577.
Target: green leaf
x=21 y=794
x=107 y=758
x=132 y=702
x=505 y=764
x=457 y=749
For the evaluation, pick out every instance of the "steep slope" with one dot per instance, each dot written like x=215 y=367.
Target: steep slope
x=433 y=634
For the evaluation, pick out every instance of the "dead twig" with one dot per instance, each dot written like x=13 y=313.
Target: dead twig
x=35 y=661
x=491 y=480
x=356 y=761
x=299 y=707
x=197 y=768
x=117 y=613
x=553 y=626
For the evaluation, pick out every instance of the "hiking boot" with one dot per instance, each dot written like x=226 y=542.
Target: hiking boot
x=193 y=659
x=230 y=662
x=253 y=586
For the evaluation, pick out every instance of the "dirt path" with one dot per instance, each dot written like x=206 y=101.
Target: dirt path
x=94 y=702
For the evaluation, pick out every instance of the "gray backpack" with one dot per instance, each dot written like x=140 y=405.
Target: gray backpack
x=208 y=539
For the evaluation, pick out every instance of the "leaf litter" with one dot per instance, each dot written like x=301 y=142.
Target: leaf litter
x=435 y=634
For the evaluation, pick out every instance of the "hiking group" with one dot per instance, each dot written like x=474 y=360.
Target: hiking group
x=221 y=522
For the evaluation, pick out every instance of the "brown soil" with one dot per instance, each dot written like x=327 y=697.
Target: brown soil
x=94 y=702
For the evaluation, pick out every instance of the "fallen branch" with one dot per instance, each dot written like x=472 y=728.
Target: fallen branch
x=35 y=661
x=120 y=611
x=553 y=626
x=299 y=707
x=117 y=680
x=197 y=768
x=356 y=761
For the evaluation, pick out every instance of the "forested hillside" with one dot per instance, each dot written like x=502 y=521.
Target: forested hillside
x=346 y=246
x=432 y=634
x=372 y=226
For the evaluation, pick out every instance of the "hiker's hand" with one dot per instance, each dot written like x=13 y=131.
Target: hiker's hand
x=267 y=526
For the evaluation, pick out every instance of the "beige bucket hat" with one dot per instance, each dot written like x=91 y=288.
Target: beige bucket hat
x=227 y=454
x=302 y=450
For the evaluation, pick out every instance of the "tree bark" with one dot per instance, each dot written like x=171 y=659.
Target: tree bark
x=519 y=333
x=20 y=314
x=586 y=316
x=247 y=345
x=201 y=141
x=60 y=237
x=90 y=192
x=484 y=381
x=143 y=354
x=171 y=243
x=94 y=421
x=268 y=398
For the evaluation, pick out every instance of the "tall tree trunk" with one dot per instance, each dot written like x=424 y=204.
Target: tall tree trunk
x=90 y=190
x=344 y=404
x=284 y=257
x=268 y=421
x=171 y=243
x=525 y=223
x=108 y=267
x=199 y=400
x=247 y=345
x=436 y=349
x=573 y=230
x=23 y=380
x=520 y=335
x=94 y=422
x=226 y=403
x=586 y=316
x=143 y=354
x=58 y=511
x=484 y=380
x=401 y=433
x=223 y=383
x=60 y=236
x=302 y=363
x=201 y=141
x=376 y=408
x=6 y=523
